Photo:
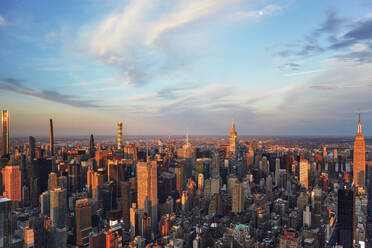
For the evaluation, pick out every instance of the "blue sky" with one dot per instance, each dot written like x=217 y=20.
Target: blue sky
x=276 y=67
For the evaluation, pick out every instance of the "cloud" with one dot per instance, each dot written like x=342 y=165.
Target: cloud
x=3 y=22
x=302 y=73
x=289 y=66
x=16 y=86
x=148 y=40
x=268 y=10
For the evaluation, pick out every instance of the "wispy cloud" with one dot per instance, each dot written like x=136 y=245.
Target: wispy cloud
x=145 y=39
x=303 y=73
x=3 y=22
x=16 y=86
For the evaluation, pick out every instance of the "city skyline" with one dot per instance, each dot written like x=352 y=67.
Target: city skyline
x=242 y=60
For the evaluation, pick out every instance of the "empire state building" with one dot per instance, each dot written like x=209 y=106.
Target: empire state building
x=359 y=158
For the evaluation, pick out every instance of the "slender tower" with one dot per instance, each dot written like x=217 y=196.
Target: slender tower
x=120 y=135
x=51 y=137
x=233 y=139
x=359 y=157
x=4 y=132
x=91 y=146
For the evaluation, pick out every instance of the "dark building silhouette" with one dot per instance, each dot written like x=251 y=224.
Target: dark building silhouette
x=369 y=215
x=31 y=143
x=346 y=216
x=51 y=137
x=91 y=146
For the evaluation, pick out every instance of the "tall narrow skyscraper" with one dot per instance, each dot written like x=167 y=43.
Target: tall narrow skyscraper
x=359 y=165
x=147 y=191
x=31 y=143
x=4 y=132
x=369 y=215
x=233 y=139
x=91 y=146
x=120 y=135
x=51 y=137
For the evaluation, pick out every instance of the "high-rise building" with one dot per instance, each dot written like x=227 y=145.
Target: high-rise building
x=57 y=207
x=74 y=176
x=5 y=222
x=120 y=135
x=4 y=132
x=52 y=181
x=31 y=143
x=147 y=191
x=51 y=137
x=345 y=216
x=237 y=198
x=83 y=220
x=233 y=140
x=91 y=146
x=325 y=151
x=359 y=163
x=12 y=182
x=304 y=177
x=369 y=215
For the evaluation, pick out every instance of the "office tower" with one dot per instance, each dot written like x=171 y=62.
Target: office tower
x=125 y=200
x=52 y=181
x=185 y=201
x=237 y=198
x=250 y=156
x=369 y=215
x=324 y=151
x=12 y=182
x=74 y=176
x=277 y=171
x=4 y=132
x=317 y=207
x=345 y=216
x=233 y=140
x=307 y=217
x=5 y=222
x=91 y=146
x=83 y=220
x=335 y=154
x=120 y=135
x=180 y=179
x=359 y=162
x=57 y=207
x=133 y=221
x=51 y=138
x=147 y=191
x=45 y=203
x=31 y=143
x=304 y=178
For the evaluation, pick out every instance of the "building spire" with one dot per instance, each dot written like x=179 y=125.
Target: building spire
x=187 y=136
x=232 y=124
x=359 y=125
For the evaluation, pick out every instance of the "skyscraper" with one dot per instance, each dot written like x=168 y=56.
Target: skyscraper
x=4 y=132
x=304 y=177
x=120 y=135
x=233 y=139
x=83 y=220
x=345 y=216
x=91 y=146
x=31 y=143
x=57 y=207
x=12 y=182
x=5 y=222
x=147 y=191
x=237 y=198
x=369 y=215
x=51 y=137
x=359 y=157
